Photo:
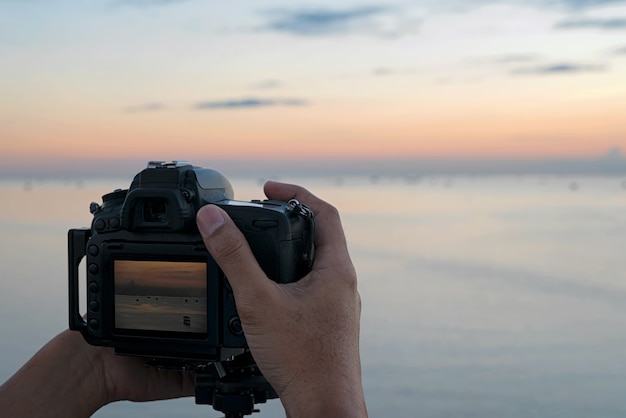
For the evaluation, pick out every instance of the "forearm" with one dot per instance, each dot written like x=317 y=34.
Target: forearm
x=328 y=403
x=332 y=393
x=61 y=380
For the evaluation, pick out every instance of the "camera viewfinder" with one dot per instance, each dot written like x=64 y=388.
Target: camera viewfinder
x=155 y=211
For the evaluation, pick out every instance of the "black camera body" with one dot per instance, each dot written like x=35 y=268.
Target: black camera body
x=153 y=290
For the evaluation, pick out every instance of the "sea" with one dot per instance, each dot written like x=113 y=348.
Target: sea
x=160 y=313
x=483 y=296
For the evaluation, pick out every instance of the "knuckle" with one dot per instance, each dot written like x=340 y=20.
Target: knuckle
x=329 y=215
x=328 y=209
x=350 y=277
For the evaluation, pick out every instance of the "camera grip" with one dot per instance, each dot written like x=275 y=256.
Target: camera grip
x=76 y=241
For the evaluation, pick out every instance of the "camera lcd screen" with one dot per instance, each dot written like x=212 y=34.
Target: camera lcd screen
x=162 y=296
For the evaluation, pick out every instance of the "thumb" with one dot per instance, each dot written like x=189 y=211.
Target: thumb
x=231 y=251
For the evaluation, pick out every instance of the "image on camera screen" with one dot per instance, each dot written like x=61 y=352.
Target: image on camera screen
x=164 y=296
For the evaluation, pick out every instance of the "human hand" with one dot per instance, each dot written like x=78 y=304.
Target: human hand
x=128 y=378
x=304 y=336
x=70 y=378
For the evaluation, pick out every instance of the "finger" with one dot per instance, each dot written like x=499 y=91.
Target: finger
x=332 y=258
x=232 y=253
x=329 y=235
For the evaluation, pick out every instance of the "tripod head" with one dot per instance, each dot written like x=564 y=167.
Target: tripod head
x=232 y=387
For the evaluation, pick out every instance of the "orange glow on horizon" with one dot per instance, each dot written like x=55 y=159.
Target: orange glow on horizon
x=405 y=130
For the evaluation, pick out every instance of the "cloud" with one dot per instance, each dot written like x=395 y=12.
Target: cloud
x=146 y=3
x=563 y=68
x=584 y=4
x=320 y=21
x=380 y=21
x=506 y=59
x=620 y=50
x=147 y=107
x=267 y=85
x=514 y=58
x=387 y=71
x=604 y=24
x=614 y=153
x=248 y=103
x=383 y=71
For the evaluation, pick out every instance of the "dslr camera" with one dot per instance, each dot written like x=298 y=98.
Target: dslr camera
x=154 y=291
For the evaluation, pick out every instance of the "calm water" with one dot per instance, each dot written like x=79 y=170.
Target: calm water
x=482 y=297
x=161 y=313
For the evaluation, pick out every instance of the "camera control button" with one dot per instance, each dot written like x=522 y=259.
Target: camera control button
x=93 y=268
x=94 y=306
x=265 y=223
x=114 y=223
x=100 y=225
x=94 y=287
x=93 y=250
x=234 y=326
x=94 y=324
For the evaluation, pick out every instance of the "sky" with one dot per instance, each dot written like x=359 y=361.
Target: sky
x=111 y=80
x=161 y=277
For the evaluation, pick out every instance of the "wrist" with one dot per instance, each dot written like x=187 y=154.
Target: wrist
x=86 y=372
x=62 y=379
x=327 y=405
x=332 y=398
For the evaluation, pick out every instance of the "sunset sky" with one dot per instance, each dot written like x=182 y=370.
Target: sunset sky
x=193 y=79
x=161 y=276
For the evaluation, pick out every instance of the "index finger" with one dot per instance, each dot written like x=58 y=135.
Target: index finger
x=329 y=231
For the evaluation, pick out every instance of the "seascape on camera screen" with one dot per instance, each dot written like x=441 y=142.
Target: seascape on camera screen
x=491 y=297
x=161 y=313
x=160 y=296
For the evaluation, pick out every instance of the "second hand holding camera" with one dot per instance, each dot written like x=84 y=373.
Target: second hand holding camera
x=154 y=291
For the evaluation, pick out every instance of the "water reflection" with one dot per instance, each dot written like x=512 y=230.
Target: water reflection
x=497 y=297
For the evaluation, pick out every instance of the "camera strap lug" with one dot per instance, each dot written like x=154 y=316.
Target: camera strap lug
x=299 y=209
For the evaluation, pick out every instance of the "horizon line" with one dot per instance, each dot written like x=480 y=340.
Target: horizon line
x=610 y=163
